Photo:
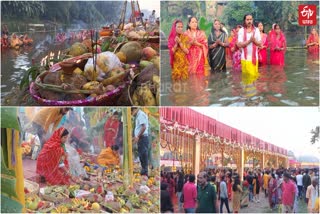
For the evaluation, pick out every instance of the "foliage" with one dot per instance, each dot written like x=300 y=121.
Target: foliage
x=9 y=118
x=315 y=135
x=90 y=12
x=23 y=8
x=34 y=71
x=234 y=12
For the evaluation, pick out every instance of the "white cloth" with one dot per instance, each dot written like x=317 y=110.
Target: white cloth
x=141 y=119
x=249 y=47
x=299 y=180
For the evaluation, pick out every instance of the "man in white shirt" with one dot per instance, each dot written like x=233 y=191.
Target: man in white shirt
x=248 y=40
x=312 y=194
x=141 y=137
x=299 y=184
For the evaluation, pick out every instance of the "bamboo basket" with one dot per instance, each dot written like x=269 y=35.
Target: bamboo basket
x=107 y=99
x=32 y=187
x=54 y=199
x=46 y=210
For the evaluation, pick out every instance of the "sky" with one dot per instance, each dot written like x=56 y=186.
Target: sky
x=150 y=5
x=287 y=127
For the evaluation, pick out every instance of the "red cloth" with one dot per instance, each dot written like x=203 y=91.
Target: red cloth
x=110 y=135
x=49 y=159
x=254 y=47
x=314 y=49
x=276 y=56
x=171 y=40
x=288 y=193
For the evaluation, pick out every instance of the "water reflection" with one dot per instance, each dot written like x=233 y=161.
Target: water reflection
x=295 y=84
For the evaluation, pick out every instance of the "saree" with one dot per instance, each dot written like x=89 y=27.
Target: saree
x=262 y=54
x=244 y=198
x=236 y=53
x=49 y=159
x=314 y=49
x=110 y=132
x=217 y=55
x=277 y=56
x=108 y=157
x=178 y=60
x=197 y=56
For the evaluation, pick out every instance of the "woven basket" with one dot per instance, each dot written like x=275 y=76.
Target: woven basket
x=32 y=187
x=108 y=99
x=54 y=199
x=48 y=209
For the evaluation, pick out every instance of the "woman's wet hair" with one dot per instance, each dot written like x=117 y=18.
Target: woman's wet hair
x=64 y=133
x=262 y=25
x=189 y=20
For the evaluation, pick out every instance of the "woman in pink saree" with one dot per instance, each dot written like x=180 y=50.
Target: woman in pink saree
x=278 y=46
x=198 y=50
x=262 y=54
x=236 y=52
x=313 y=42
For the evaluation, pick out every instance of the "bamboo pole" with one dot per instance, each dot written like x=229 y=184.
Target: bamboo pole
x=130 y=156
x=125 y=148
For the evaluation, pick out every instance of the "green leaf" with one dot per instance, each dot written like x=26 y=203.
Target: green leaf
x=105 y=46
x=9 y=118
x=9 y=205
x=4 y=147
x=8 y=185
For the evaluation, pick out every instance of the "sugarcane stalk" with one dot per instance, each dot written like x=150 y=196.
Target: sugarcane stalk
x=130 y=157
x=125 y=148
x=57 y=88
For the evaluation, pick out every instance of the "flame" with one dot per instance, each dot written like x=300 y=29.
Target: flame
x=78 y=61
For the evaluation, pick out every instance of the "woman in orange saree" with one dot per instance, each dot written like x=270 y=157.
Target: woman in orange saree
x=198 y=50
x=178 y=49
x=52 y=162
x=313 y=42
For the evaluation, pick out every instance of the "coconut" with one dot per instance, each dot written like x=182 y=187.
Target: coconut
x=132 y=51
x=148 y=53
x=122 y=57
x=78 y=49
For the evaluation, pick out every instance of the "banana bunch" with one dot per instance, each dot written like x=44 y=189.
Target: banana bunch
x=121 y=201
x=60 y=209
x=148 y=93
x=135 y=200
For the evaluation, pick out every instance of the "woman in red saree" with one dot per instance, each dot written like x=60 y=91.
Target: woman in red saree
x=111 y=130
x=313 y=42
x=262 y=54
x=198 y=50
x=52 y=162
x=278 y=46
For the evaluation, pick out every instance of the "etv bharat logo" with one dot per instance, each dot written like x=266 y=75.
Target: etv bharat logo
x=307 y=14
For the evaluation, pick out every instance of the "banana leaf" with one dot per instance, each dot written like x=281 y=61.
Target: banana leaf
x=9 y=118
x=9 y=205
x=204 y=25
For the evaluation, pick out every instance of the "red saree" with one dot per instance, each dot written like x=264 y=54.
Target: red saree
x=197 y=56
x=110 y=132
x=49 y=159
x=314 y=49
x=277 y=56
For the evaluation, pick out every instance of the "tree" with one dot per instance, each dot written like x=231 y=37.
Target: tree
x=22 y=8
x=315 y=135
x=234 y=12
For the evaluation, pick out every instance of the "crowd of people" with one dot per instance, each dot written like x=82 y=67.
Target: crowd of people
x=218 y=188
x=14 y=41
x=246 y=47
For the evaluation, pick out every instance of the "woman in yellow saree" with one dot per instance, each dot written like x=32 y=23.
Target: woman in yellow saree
x=178 y=49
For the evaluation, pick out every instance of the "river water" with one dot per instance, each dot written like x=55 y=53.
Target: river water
x=295 y=84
